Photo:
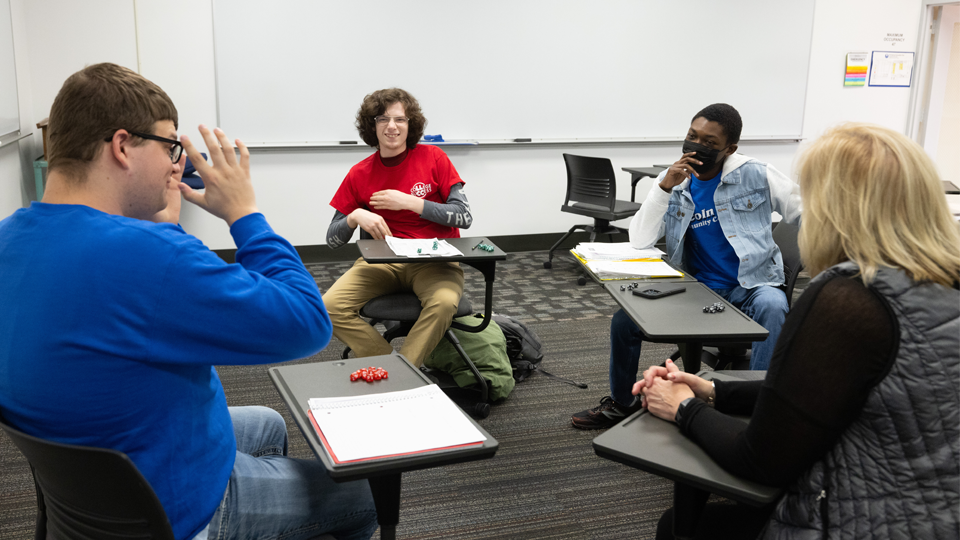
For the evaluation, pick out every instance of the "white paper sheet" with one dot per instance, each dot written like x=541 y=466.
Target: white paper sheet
x=618 y=251
x=631 y=269
x=406 y=421
x=428 y=247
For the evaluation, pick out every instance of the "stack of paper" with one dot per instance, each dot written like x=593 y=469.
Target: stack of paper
x=390 y=424
x=622 y=251
x=421 y=247
x=631 y=269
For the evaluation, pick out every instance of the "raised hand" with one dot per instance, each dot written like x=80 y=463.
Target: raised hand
x=680 y=171
x=228 y=192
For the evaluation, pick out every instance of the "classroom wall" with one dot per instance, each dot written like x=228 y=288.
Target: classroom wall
x=512 y=190
x=942 y=138
x=16 y=161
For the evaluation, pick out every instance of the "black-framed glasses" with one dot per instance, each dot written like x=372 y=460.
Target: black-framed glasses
x=176 y=149
x=384 y=120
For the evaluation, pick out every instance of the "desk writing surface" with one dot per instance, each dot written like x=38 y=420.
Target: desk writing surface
x=298 y=383
x=657 y=446
x=378 y=252
x=680 y=318
x=643 y=171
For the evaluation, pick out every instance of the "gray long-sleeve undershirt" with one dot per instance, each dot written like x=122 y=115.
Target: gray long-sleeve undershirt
x=454 y=213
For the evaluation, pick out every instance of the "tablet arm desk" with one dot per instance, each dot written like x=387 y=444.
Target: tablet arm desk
x=378 y=252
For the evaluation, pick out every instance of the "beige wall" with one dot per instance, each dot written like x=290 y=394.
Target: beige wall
x=948 y=143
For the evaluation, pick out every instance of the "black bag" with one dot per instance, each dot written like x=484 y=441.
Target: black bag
x=524 y=349
x=523 y=346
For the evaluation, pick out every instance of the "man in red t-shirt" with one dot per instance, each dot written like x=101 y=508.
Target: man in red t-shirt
x=404 y=190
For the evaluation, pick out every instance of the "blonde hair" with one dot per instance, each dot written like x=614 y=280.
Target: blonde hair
x=872 y=196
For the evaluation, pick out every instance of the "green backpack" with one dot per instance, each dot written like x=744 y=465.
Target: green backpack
x=487 y=350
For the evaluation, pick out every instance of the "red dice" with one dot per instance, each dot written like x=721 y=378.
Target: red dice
x=369 y=374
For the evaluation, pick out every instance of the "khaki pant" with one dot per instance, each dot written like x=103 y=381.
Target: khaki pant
x=438 y=285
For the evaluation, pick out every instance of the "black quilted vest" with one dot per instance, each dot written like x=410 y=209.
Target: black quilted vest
x=895 y=472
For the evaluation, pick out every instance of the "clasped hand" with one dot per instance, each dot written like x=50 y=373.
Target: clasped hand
x=387 y=199
x=391 y=199
x=663 y=388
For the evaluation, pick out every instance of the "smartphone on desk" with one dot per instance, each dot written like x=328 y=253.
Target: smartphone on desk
x=659 y=291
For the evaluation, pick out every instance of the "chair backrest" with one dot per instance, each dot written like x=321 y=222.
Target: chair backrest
x=785 y=236
x=85 y=492
x=591 y=182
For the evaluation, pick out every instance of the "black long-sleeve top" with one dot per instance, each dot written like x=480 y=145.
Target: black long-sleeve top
x=839 y=340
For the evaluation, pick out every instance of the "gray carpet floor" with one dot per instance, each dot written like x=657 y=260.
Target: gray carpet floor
x=545 y=481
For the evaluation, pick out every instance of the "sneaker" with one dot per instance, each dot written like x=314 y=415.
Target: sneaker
x=607 y=414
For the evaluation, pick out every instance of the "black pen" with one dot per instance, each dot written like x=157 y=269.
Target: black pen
x=476 y=246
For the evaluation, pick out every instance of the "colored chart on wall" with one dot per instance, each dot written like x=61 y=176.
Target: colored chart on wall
x=889 y=68
x=857 y=65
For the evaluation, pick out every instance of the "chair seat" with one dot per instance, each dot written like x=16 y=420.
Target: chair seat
x=404 y=307
x=621 y=210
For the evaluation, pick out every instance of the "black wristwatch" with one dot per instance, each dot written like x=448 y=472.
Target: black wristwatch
x=683 y=405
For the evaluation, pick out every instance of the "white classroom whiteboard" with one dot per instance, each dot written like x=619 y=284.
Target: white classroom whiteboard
x=295 y=71
x=9 y=108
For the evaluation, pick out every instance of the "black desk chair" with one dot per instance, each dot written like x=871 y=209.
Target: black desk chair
x=399 y=312
x=85 y=492
x=738 y=355
x=592 y=192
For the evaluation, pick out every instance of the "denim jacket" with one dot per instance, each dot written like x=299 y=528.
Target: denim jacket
x=748 y=193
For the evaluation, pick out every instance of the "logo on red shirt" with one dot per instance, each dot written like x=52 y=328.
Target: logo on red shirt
x=420 y=189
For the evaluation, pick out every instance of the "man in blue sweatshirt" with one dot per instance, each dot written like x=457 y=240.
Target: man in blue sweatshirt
x=112 y=322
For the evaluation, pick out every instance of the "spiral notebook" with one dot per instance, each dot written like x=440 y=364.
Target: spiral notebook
x=391 y=424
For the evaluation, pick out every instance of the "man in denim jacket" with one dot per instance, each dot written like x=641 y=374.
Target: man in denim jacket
x=714 y=206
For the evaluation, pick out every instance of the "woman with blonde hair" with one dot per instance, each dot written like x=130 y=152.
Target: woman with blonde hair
x=859 y=415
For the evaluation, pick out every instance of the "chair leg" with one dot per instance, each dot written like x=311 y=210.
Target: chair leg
x=573 y=229
x=40 y=532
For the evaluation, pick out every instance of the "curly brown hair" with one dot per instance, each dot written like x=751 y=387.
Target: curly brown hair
x=93 y=104
x=376 y=104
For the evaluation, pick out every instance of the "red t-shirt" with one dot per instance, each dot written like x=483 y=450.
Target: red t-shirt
x=426 y=173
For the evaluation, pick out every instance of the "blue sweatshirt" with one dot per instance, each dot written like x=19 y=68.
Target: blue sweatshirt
x=110 y=326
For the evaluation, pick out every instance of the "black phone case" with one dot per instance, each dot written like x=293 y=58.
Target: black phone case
x=654 y=292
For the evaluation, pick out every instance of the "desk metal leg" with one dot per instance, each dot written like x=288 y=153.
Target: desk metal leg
x=386 y=497
x=688 y=503
x=690 y=352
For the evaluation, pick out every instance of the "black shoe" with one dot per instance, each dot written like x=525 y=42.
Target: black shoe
x=608 y=414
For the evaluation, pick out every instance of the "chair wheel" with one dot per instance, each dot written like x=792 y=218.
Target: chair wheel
x=581 y=280
x=548 y=265
x=482 y=410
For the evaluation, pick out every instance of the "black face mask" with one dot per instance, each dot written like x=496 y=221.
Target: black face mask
x=704 y=153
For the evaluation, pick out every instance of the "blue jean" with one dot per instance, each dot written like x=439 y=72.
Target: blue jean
x=270 y=495
x=766 y=305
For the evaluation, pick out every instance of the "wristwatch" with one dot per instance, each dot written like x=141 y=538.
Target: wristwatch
x=712 y=398
x=683 y=405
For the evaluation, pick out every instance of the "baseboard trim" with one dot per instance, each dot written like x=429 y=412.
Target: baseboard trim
x=509 y=243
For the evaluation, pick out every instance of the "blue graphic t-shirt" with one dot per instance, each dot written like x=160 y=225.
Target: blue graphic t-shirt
x=710 y=257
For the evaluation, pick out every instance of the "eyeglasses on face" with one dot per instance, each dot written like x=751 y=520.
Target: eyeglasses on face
x=176 y=149
x=384 y=120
